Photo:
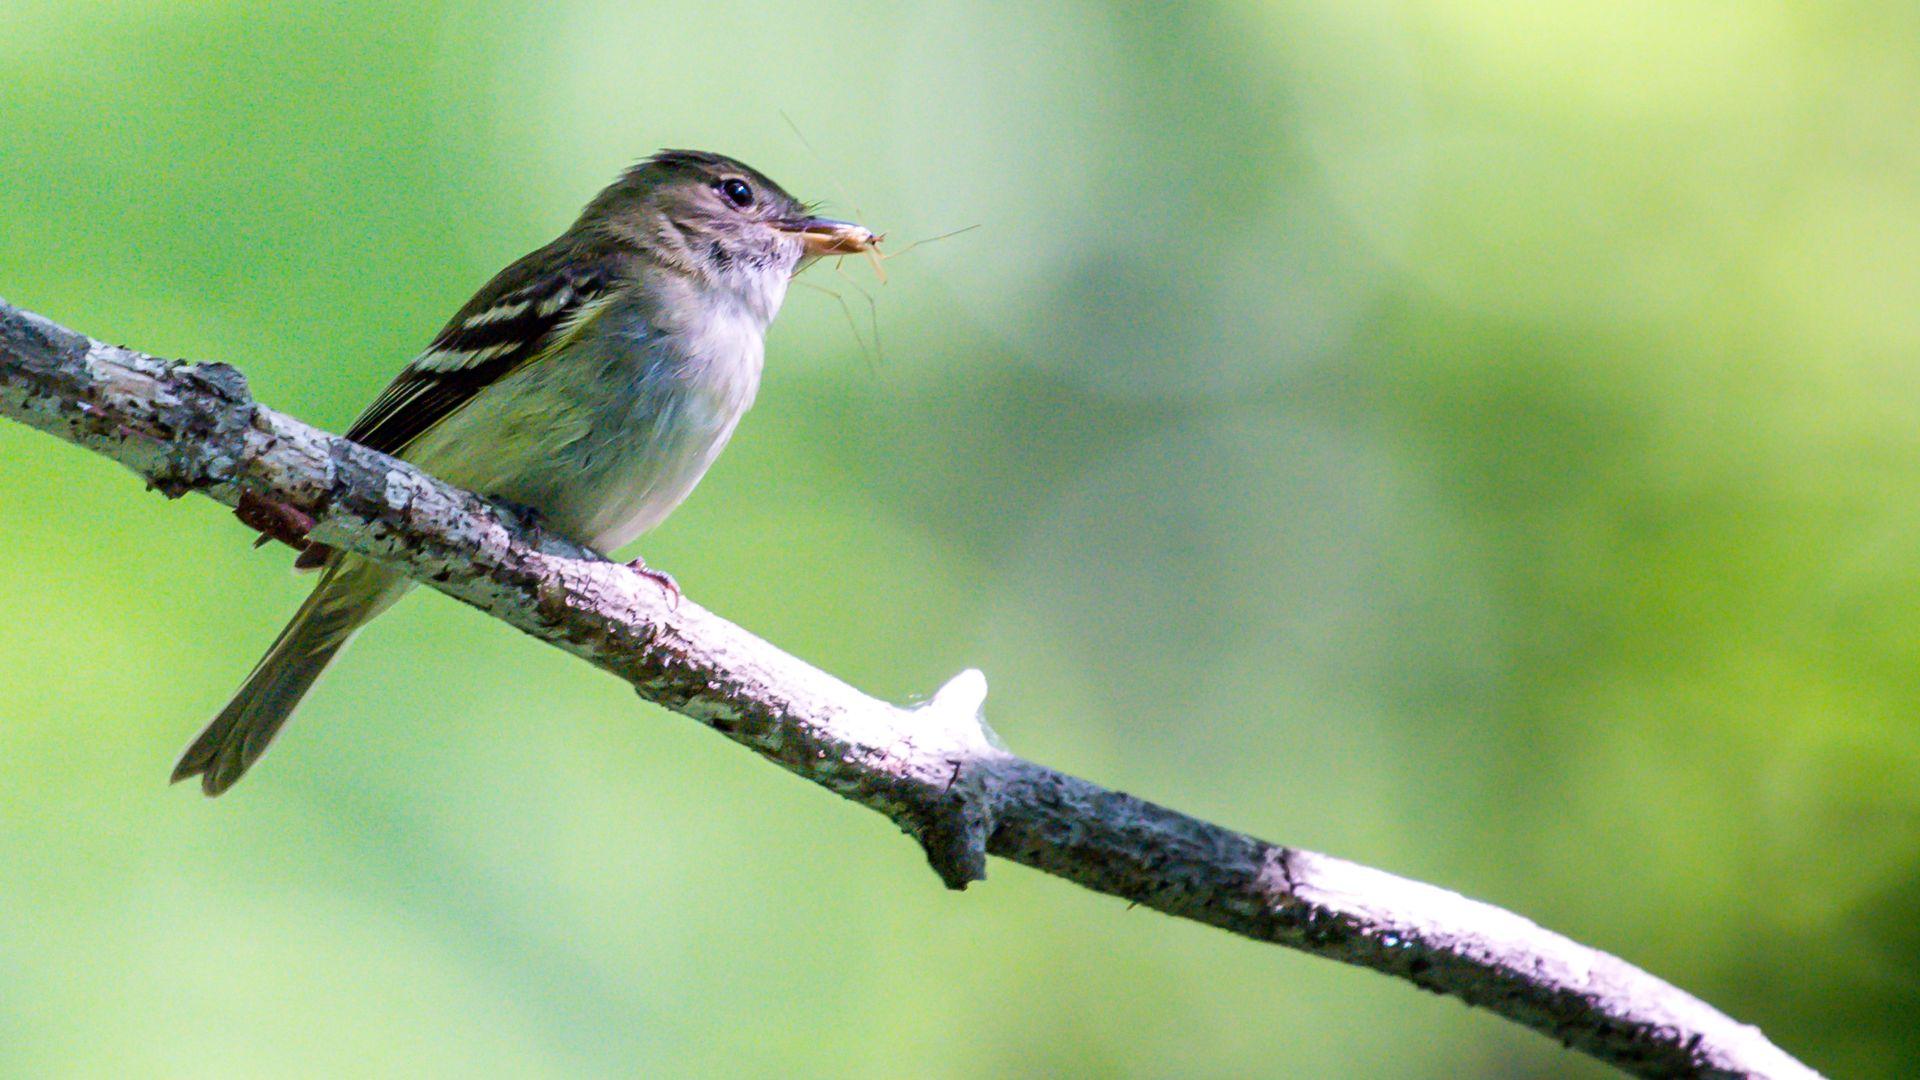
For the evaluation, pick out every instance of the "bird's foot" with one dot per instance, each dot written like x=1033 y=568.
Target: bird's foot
x=660 y=578
x=274 y=520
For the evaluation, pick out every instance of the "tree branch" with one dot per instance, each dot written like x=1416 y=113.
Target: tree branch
x=937 y=771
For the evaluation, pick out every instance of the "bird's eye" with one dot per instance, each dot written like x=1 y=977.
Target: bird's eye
x=737 y=192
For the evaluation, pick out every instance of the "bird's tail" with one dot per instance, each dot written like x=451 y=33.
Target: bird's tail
x=351 y=592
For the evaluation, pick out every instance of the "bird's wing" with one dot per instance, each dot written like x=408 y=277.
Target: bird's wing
x=527 y=310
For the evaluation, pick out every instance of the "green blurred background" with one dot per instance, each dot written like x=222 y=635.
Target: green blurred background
x=1474 y=439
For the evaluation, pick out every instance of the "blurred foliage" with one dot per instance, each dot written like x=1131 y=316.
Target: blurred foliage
x=1473 y=439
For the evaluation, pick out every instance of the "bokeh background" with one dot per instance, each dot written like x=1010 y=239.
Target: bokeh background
x=1474 y=439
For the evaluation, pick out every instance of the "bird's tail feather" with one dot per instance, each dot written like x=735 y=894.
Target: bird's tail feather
x=351 y=592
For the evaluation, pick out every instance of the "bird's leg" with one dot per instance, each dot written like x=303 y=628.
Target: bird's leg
x=533 y=520
x=660 y=578
x=274 y=520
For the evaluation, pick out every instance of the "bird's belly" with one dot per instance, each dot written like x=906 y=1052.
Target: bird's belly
x=603 y=444
x=630 y=476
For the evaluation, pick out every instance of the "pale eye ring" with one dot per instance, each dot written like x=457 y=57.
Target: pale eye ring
x=736 y=191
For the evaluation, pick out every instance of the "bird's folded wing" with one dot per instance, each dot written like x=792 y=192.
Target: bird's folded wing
x=524 y=313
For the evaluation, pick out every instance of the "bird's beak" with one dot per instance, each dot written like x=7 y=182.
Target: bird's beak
x=824 y=236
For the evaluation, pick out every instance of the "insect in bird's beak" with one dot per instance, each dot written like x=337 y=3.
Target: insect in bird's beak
x=824 y=236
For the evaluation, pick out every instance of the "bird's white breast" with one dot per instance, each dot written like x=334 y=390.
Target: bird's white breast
x=607 y=438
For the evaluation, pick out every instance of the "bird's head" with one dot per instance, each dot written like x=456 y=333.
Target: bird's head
x=716 y=217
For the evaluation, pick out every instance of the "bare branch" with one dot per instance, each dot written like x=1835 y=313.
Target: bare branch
x=937 y=771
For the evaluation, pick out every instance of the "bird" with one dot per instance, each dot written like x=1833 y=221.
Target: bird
x=590 y=384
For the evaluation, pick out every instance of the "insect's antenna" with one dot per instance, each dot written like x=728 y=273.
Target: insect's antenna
x=832 y=177
x=853 y=325
x=931 y=240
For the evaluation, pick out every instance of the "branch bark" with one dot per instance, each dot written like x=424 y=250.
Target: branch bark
x=937 y=771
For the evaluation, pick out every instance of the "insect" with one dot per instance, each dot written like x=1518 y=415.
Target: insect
x=865 y=243
x=855 y=241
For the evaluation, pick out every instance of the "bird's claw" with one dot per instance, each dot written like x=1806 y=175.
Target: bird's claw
x=274 y=520
x=660 y=578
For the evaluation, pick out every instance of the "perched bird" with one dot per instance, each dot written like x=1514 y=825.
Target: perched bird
x=591 y=382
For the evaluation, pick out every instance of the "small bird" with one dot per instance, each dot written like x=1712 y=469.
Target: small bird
x=592 y=383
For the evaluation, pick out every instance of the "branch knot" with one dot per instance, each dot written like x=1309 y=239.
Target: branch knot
x=955 y=826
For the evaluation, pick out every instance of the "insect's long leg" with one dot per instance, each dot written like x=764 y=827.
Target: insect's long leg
x=838 y=188
x=873 y=309
x=853 y=325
